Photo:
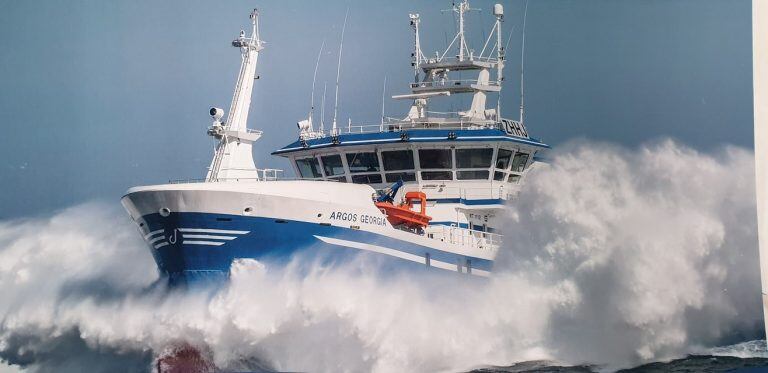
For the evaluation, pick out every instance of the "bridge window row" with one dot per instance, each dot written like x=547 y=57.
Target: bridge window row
x=433 y=164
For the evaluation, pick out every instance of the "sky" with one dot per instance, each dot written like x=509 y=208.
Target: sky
x=101 y=96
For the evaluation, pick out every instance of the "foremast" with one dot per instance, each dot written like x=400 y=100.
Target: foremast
x=233 y=158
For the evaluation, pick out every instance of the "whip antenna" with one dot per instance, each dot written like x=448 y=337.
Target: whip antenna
x=522 y=67
x=322 y=109
x=314 y=78
x=383 y=94
x=338 y=71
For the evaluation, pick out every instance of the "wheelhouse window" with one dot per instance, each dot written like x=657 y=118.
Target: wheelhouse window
x=502 y=160
x=363 y=162
x=366 y=179
x=473 y=158
x=393 y=177
x=498 y=176
x=519 y=161
x=309 y=168
x=435 y=158
x=472 y=175
x=514 y=179
x=437 y=175
x=332 y=165
x=397 y=160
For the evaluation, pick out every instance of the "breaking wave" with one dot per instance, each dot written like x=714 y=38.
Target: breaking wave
x=614 y=257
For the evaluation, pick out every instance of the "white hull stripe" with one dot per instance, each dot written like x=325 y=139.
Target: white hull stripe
x=207 y=243
x=398 y=254
x=150 y=234
x=208 y=236
x=158 y=238
x=161 y=245
x=221 y=231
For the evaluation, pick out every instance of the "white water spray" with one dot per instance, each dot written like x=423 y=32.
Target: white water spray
x=618 y=257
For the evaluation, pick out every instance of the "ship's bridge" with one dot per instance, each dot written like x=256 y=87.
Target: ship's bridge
x=416 y=155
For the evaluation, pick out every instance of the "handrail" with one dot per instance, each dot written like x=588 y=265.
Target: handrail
x=471 y=237
x=396 y=125
x=434 y=60
x=262 y=174
x=451 y=82
x=462 y=193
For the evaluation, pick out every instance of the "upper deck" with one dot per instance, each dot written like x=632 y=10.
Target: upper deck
x=410 y=132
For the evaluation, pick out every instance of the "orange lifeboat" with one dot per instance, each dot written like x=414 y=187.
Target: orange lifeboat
x=404 y=214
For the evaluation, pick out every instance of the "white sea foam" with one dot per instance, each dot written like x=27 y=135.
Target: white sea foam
x=749 y=349
x=614 y=256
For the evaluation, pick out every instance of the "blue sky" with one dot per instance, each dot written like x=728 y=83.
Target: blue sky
x=100 y=96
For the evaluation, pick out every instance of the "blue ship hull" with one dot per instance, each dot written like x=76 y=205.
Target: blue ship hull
x=194 y=248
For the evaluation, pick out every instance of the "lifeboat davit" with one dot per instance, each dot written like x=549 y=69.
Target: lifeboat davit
x=404 y=214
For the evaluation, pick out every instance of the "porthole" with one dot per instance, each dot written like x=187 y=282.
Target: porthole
x=247 y=210
x=164 y=212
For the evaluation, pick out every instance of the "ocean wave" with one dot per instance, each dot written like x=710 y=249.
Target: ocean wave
x=613 y=257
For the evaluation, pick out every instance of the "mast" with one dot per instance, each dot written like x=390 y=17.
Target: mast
x=233 y=157
x=460 y=9
x=498 y=11
x=463 y=7
x=418 y=56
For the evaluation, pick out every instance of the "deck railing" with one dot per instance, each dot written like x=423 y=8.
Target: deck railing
x=447 y=120
x=439 y=191
x=259 y=174
x=472 y=238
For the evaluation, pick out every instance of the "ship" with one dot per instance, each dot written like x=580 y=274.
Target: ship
x=424 y=192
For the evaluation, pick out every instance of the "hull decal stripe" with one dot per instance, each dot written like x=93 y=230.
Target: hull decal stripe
x=397 y=253
x=161 y=245
x=158 y=238
x=150 y=234
x=201 y=230
x=209 y=236
x=207 y=243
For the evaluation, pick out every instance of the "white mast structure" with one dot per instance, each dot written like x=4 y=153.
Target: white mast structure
x=233 y=158
x=436 y=71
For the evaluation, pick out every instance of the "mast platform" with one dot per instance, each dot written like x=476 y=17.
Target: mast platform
x=454 y=86
x=456 y=64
